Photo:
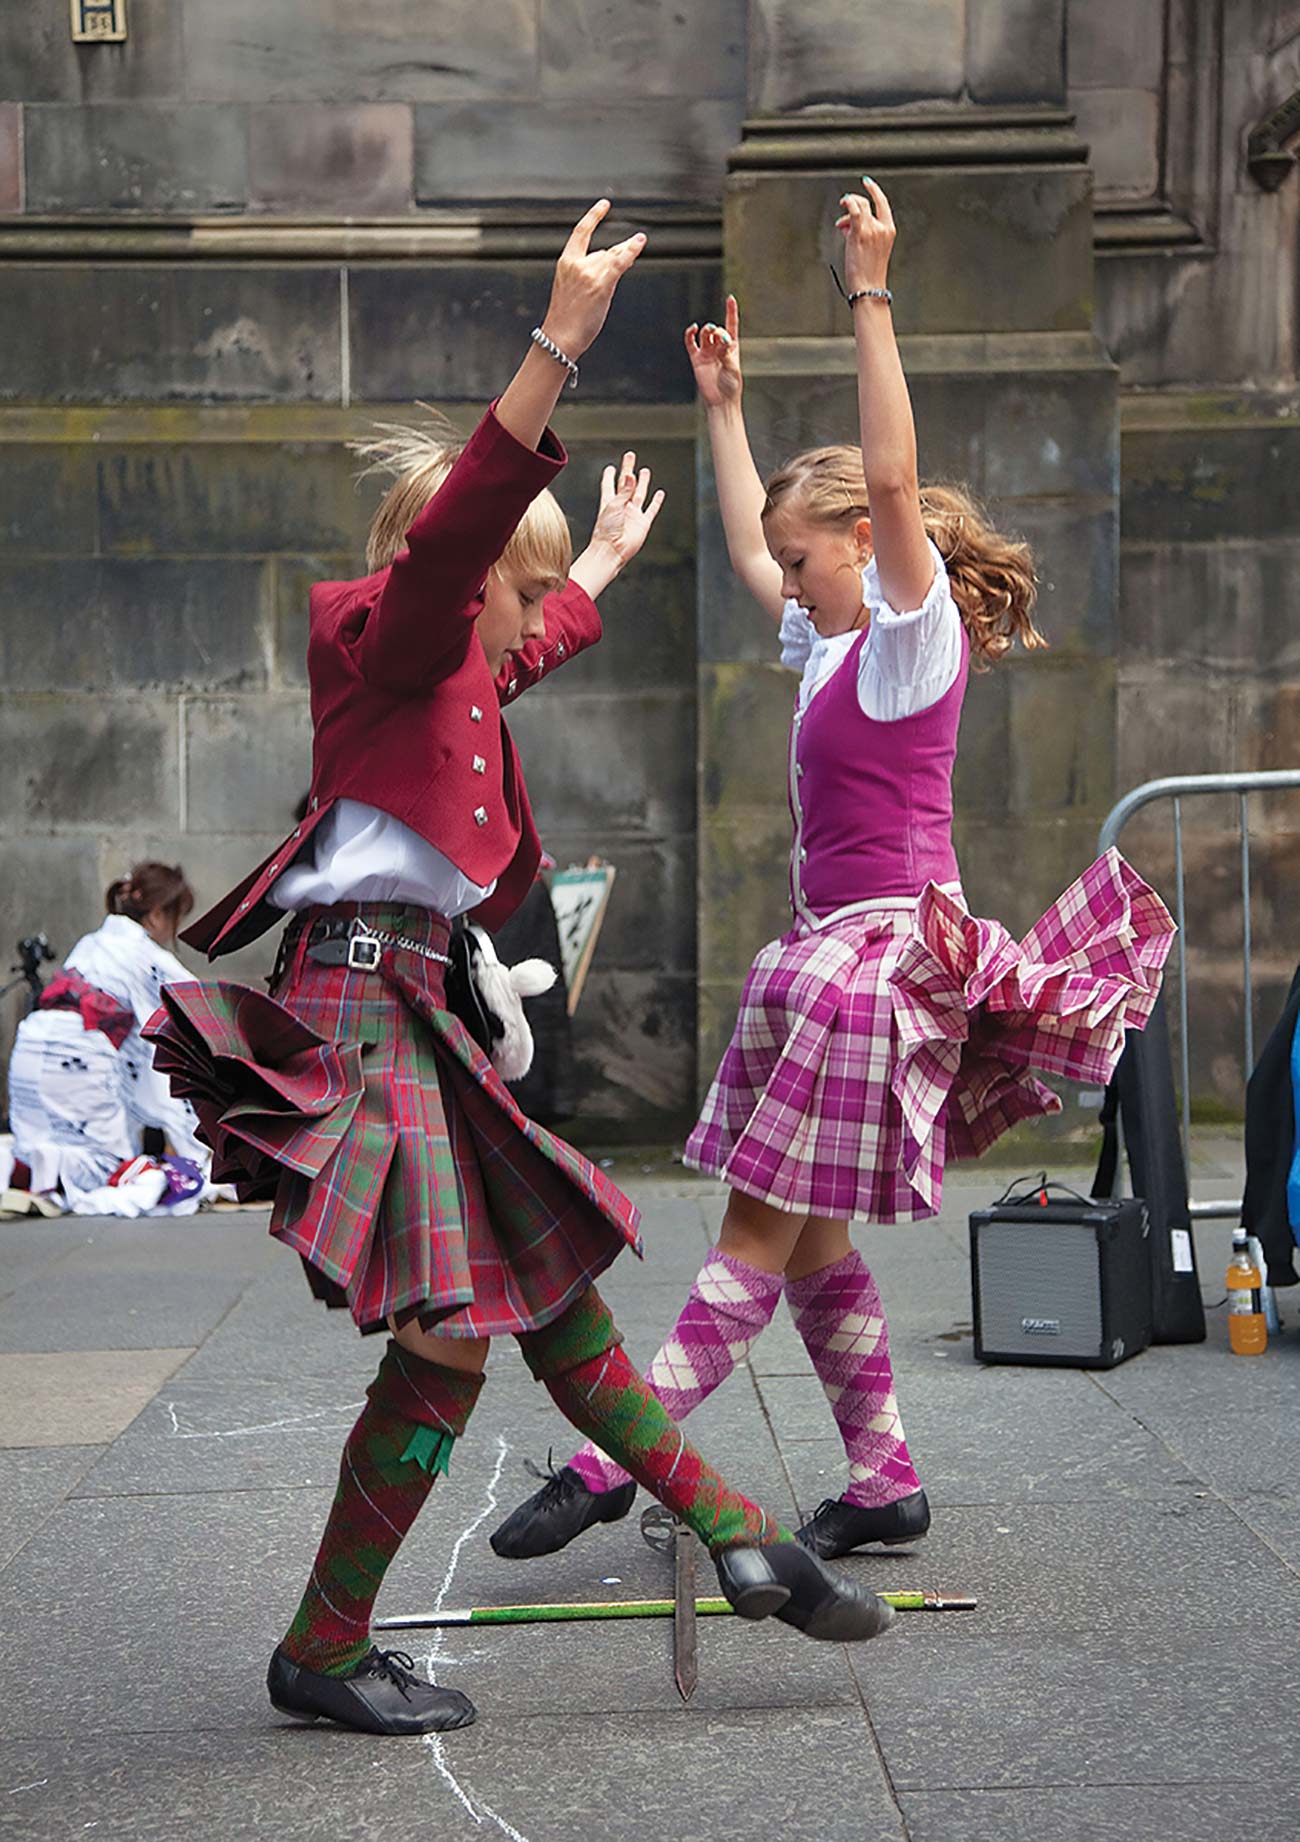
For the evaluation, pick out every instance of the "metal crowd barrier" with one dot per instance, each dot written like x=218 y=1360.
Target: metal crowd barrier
x=1176 y=788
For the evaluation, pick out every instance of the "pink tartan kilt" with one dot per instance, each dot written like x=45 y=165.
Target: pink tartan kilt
x=401 y=1168
x=868 y=1053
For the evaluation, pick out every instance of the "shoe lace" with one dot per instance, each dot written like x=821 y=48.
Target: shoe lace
x=554 y=1483
x=396 y=1665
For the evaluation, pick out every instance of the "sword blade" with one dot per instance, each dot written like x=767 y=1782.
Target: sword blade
x=686 y=1656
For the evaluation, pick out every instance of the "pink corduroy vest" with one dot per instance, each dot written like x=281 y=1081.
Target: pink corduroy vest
x=871 y=801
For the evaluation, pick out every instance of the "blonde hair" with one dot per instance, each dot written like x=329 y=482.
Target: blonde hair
x=992 y=576
x=418 y=459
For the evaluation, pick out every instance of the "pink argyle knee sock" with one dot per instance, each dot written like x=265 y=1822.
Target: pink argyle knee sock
x=728 y=1305
x=838 y=1313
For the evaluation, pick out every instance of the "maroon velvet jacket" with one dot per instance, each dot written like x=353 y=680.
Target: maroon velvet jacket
x=406 y=715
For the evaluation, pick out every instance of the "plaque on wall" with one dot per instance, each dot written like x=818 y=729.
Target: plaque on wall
x=579 y=897
x=98 y=22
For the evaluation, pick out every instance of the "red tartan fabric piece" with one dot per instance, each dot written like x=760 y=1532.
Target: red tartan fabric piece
x=269 y=1093
x=68 y=991
x=868 y=1053
x=432 y=1195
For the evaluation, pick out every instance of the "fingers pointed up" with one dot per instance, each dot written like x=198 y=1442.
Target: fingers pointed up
x=879 y=201
x=585 y=228
x=733 y=319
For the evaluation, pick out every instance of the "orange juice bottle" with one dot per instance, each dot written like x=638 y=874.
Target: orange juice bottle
x=1247 y=1331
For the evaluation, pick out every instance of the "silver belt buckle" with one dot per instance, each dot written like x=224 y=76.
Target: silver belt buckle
x=364 y=950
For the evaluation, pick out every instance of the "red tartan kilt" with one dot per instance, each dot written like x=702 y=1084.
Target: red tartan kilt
x=400 y=1167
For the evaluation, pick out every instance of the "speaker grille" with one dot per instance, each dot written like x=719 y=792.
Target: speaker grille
x=1040 y=1289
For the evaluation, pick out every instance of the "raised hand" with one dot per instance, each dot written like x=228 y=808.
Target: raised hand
x=623 y=522
x=714 y=352
x=624 y=519
x=869 y=232
x=585 y=280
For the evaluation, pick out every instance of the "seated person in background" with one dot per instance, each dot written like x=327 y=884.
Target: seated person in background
x=82 y=1082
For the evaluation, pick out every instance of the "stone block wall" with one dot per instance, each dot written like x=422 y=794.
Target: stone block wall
x=322 y=107
x=1197 y=300
x=230 y=243
x=154 y=583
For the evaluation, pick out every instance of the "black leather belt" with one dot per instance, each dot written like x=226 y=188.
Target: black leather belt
x=346 y=941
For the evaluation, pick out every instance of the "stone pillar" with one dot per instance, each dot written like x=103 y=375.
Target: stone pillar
x=956 y=107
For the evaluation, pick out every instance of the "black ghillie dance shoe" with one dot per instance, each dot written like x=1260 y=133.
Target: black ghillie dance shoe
x=381 y=1695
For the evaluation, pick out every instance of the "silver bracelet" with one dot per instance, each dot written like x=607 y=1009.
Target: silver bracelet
x=869 y=294
x=552 y=350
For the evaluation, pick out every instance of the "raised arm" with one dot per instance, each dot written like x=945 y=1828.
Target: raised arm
x=623 y=520
x=714 y=352
x=428 y=602
x=888 y=433
x=581 y=292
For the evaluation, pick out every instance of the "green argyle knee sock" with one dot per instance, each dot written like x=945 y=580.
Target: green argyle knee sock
x=594 y=1385
x=414 y=1413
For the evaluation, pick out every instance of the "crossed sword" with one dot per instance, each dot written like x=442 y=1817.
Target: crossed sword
x=667 y=1535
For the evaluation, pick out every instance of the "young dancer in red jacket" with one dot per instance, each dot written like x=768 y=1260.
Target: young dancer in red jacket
x=401 y=1169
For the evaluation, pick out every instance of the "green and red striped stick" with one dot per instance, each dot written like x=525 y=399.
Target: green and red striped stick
x=630 y=1608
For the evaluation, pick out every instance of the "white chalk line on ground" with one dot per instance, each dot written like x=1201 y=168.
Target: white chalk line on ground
x=474 y=1807
x=296 y=1423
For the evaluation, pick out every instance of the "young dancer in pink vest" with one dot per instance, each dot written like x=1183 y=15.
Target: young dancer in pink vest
x=888 y=1029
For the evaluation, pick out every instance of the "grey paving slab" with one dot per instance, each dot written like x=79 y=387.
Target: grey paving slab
x=135 y=1285
x=1235 y=1420
x=32 y=1485
x=532 y=1780
x=1272 y=1512
x=122 y=1311
x=1107 y=1707
x=1204 y=1811
x=31 y=1245
x=78 y=1397
x=230 y=1436
x=999 y=1435
x=1067 y=1568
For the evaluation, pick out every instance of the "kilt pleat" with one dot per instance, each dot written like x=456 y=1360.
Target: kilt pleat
x=402 y=1170
x=868 y=1053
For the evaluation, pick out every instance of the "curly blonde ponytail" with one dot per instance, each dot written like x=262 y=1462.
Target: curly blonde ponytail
x=992 y=576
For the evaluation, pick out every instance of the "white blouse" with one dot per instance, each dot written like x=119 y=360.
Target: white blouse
x=364 y=855
x=908 y=661
x=126 y=962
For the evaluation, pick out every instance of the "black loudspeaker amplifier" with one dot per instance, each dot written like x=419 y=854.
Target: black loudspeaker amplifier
x=1064 y=1283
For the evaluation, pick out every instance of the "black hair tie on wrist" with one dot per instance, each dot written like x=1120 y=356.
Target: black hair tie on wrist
x=859 y=294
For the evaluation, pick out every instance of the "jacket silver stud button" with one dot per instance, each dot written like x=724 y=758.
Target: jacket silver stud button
x=315 y=803
x=512 y=687
x=243 y=907
x=480 y=765
x=480 y=815
x=803 y=854
x=559 y=650
x=475 y=714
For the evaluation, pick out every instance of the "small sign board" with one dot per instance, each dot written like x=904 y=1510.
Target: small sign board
x=579 y=898
x=98 y=22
